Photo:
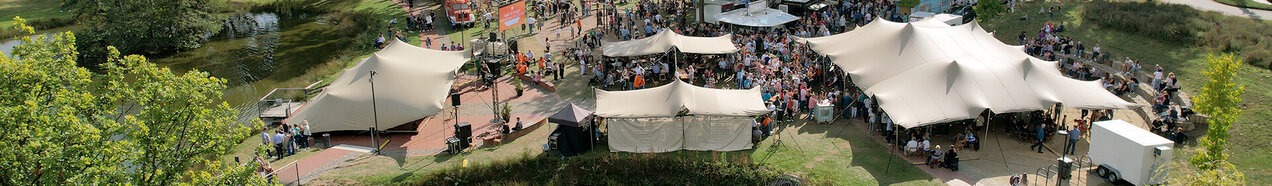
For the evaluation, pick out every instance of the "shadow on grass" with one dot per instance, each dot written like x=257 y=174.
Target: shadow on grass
x=885 y=166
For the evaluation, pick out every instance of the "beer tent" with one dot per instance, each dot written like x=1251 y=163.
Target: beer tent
x=928 y=72
x=651 y=120
x=410 y=83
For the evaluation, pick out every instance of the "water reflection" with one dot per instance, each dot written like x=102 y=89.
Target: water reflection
x=261 y=51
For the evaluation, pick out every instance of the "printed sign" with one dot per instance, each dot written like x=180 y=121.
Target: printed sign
x=512 y=15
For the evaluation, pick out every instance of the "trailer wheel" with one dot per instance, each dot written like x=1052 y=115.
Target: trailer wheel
x=1102 y=172
x=1113 y=178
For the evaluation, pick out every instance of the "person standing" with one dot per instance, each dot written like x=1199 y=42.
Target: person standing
x=1041 y=135
x=1071 y=148
x=308 y=134
x=278 y=144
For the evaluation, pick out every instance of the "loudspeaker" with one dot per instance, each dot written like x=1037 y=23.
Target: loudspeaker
x=464 y=132
x=455 y=98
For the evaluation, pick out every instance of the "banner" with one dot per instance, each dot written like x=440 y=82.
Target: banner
x=511 y=15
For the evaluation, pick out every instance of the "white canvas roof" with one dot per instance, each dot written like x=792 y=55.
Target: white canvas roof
x=927 y=72
x=764 y=18
x=665 y=40
x=670 y=99
x=411 y=83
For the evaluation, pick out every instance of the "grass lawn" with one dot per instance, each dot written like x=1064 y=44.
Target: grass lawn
x=1248 y=4
x=1248 y=147
x=836 y=154
x=30 y=10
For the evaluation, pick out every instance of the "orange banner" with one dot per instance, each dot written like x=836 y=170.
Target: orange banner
x=512 y=15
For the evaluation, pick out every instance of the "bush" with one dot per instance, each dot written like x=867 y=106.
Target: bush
x=1179 y=23
x=1165 y=22
x=603 y=169
x=1245 y=37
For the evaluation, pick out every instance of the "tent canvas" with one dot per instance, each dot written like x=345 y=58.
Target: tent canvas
x=573 y=140
x=928 y=72
x=665 y=40
x=572 y=115
x=668 y=100
x=411 y=83
x=648 y=120
x=766 y=17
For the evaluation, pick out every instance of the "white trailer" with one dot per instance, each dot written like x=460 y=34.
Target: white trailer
x=1127 y=152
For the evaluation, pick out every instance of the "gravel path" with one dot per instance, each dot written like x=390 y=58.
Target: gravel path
x=1210 y=5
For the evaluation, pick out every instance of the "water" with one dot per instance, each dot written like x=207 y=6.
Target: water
x=6 y=46
x=256 y=53
x=261 y=51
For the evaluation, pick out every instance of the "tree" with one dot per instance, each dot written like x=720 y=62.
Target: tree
x=988 y=9
x=148 y=27
x=134 y=124
x=1220 y=98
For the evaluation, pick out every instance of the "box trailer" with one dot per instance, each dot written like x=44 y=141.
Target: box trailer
x=1127 y=152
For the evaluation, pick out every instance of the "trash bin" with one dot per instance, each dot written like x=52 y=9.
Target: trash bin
x=326 y=139
x=1065 y=168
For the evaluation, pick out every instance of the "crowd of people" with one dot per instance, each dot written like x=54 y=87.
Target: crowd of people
x=1080 y=63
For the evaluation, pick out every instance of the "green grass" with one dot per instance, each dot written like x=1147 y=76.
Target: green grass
x=837 y=154
x=30 y=10
x=40 y=14
x=1247 y=4
x=1248 y=145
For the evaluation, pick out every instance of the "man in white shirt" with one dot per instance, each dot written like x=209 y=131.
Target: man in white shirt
x=278 y=144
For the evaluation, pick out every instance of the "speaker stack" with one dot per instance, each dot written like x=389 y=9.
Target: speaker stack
x=464 y=132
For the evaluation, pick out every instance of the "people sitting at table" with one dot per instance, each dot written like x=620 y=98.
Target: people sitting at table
x=911 y=147
x=935 y=158
x=950 y=159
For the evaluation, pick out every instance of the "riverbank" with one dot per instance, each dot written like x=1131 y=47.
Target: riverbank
x=335 y=36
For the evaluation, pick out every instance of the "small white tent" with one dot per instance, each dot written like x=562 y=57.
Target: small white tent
x=928 y=72
x=766 y=17
x=667 y=39
x=411 y=83
x=647 y=120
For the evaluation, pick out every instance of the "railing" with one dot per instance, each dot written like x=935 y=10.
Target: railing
x=273 y=97
x=272 y=176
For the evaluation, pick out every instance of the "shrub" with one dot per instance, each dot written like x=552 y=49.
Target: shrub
x=1165 y=22
x=603 y=169
x=1179 y=23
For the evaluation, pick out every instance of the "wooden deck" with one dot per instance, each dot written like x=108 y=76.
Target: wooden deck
x=280 y=110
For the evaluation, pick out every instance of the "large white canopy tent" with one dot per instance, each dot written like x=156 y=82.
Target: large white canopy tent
x=411 y=83
x=928 y=72
x=766 y=17
x=648 y=120
x=665 y=40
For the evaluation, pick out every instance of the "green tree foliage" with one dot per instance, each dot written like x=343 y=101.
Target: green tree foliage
x=908 y=3
x=1220 y=98
x=988 y=9
x=134 y=124
x=147 y=27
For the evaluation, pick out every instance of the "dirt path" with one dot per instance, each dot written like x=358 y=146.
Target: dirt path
x=1210 y=5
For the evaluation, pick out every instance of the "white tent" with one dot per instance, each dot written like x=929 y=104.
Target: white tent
x=647 y=120
x=411 y=83
x=927 y=72
x=767 y=17
x=667 y=39
x=670 y=99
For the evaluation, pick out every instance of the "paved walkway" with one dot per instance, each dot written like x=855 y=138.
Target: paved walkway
x=440 y=28
x=305 y=170
x=1210 y=5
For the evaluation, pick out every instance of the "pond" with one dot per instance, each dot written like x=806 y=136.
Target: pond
x=257 y=52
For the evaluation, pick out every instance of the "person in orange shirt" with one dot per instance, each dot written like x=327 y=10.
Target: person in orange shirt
x=639 y=82
x=541 y=63
x=521 y=68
